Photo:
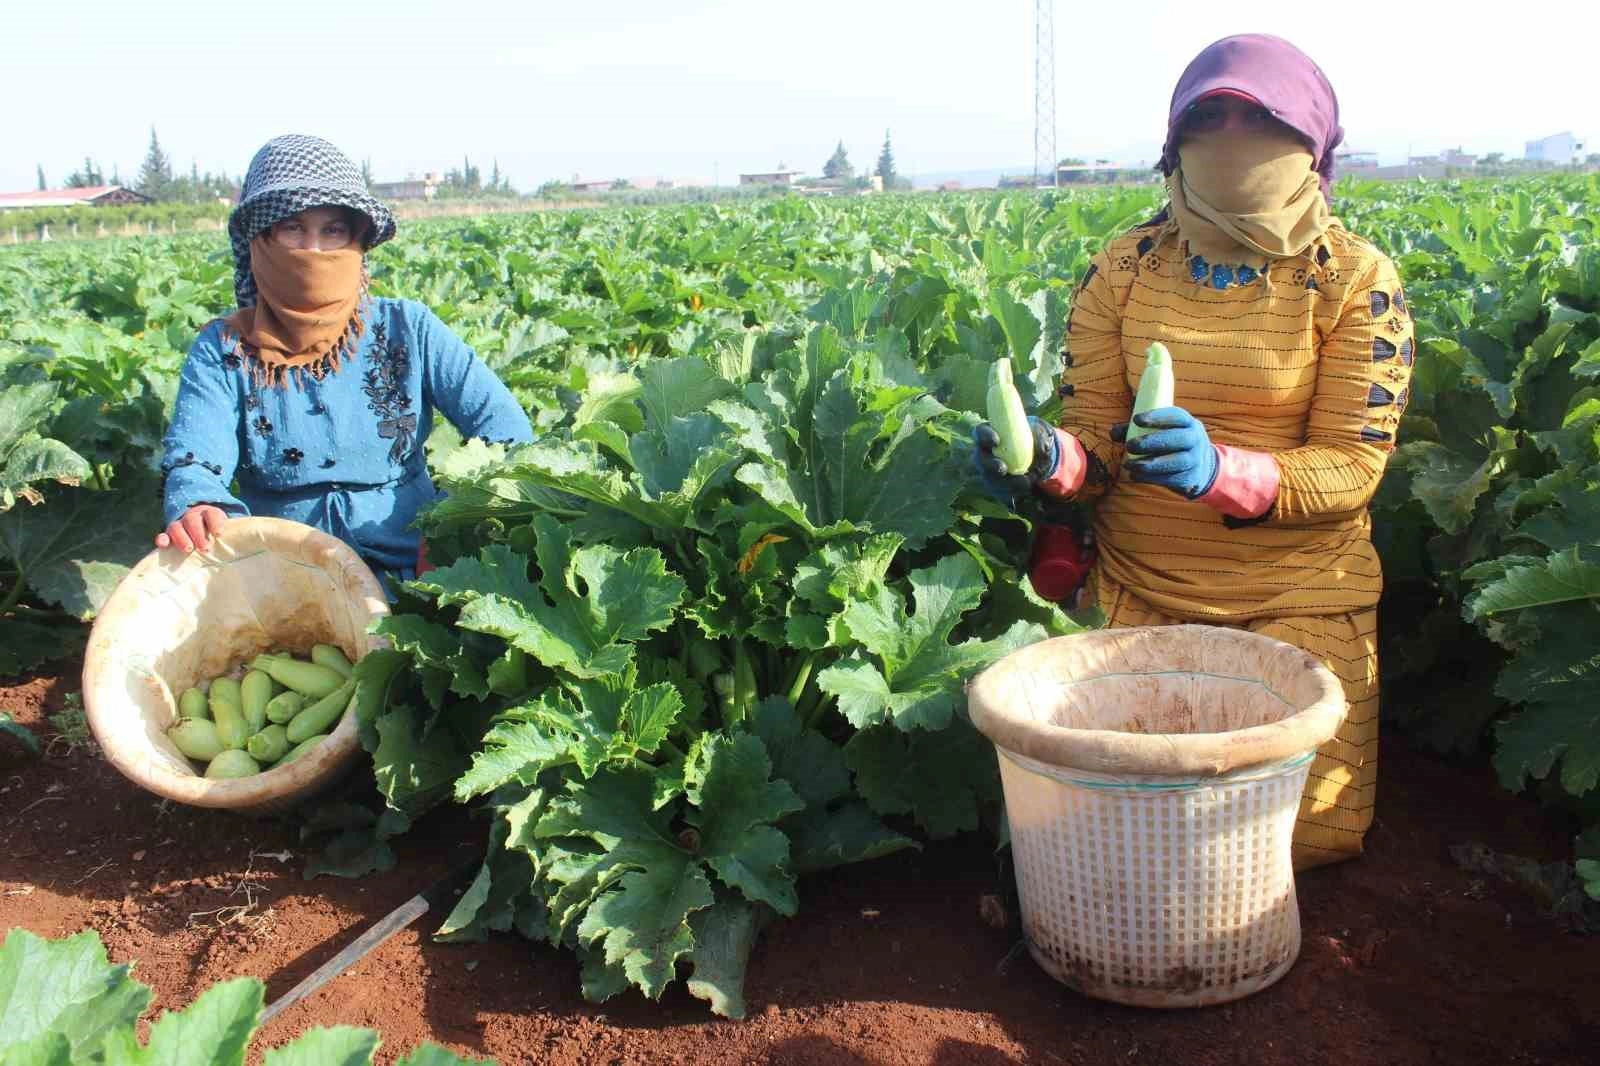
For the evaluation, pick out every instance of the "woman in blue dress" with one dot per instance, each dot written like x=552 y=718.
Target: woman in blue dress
x=313 y=400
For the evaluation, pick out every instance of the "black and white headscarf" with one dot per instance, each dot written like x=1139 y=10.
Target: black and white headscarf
x=288 y=175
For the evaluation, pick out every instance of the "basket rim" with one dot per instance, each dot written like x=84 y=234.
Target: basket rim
x=274 y=787
x=1106 y=751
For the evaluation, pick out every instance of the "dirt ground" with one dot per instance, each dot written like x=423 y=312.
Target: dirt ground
x=1407 y=957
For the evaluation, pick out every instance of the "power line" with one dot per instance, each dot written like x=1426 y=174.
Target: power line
x=1044 y=94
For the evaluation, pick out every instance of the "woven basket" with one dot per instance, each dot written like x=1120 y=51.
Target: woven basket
x=1152 y=776
x=177 y=619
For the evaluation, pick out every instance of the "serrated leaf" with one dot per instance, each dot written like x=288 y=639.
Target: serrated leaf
x=414 y=768
x=1448 y=483
x=916 y=681
x=644 y=923
x=75 y=547
x=944 y=780
x=1560 y=724
x=64 y=987
x=517 y=748
x=587 y=608
x=820 y=839
x=341 y=1045
x=677 y=387
x=1562 y=578
x=26 y=644
x=735 y=806
x=214 y=1030
x=724 y=935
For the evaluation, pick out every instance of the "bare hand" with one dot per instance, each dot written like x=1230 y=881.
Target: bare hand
x=195 y=529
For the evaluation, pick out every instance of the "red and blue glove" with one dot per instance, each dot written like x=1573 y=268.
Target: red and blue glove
x=1178 y=455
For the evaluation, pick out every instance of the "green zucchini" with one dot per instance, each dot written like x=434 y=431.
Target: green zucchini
x=1157 y=387
x=254 y=692
x=197 y=738
x=301 y=748
x=1009 y=419
x=269 y=745
x=321 y=716
x=230 y=764
x=331 y=657
x=309 y=679
x=282 y=708
x=192 y=704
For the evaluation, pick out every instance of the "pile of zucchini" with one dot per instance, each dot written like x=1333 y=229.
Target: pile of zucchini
x=279 y=709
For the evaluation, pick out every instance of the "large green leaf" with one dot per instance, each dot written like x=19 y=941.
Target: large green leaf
x=341 y=1045
x=851 y=476
x=214 y=1030
x=27 y=456
x=1562 y=578
x=588 y=607
x=66 y=989
x=75 y=547
x=916 y=679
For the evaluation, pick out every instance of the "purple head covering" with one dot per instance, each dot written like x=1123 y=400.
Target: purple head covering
x=1276 y=75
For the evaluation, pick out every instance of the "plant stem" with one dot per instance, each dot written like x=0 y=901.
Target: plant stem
x=14 y=595
x=802 y=677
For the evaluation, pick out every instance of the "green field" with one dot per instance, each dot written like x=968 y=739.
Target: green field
x=710 y=632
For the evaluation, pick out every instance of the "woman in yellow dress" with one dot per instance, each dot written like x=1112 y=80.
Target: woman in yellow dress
x=1292 y=344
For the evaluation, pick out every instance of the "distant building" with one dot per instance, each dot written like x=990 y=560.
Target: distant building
x=1351 y=159
x=1561 y=148
x=1455 y=157
x=774 y=177
x=1101 y=172
x=88 y=196
x=424 y=188
x=592 y=185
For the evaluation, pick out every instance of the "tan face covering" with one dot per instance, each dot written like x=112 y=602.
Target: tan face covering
x=306 y=315
x=1239 y=194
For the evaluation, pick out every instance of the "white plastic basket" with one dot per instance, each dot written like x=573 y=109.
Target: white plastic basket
x=1152 y=777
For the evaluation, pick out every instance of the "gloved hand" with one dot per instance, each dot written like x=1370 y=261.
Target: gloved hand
x=1179 y=455
x=1006 y=485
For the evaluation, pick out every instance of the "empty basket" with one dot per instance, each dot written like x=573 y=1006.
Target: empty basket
x=1152 y=777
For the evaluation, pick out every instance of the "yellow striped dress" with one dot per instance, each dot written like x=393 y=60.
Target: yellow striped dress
x=1310 y=364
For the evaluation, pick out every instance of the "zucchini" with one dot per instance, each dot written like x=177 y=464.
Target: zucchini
x=1157 y=387
x=331 y=657
x=321 y=716
x=308 y=679
x=197 y=738
x=230 y=764
x=192 y=704
x=269 y=745
x=1009 y=419
x=301 y=748
x=284 y=706
x=254 y=692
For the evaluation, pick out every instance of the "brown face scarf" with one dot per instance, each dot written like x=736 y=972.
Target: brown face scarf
x=1239 y=193
x=306 y=318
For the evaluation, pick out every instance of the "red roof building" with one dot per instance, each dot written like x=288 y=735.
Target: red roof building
x=88 y=196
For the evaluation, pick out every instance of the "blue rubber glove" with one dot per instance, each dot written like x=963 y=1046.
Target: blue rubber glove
x=1179 y=455
x=1003 y=484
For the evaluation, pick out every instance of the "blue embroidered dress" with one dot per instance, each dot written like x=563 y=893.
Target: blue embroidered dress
x=344 y=454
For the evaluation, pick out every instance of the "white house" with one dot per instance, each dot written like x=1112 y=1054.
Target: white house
x=1562 y=148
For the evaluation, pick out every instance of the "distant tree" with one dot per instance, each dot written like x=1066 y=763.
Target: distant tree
x=116 y=175
x=42 y=185
x=155 y=176
x=886 y=169
x=366 y=172
x=838 y=164
x=1494 y=159
x=88 y=177
x=1592 y=159
x=1073 y=161
x=494 y=177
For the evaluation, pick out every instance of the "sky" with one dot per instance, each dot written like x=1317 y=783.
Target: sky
x=705 y=89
